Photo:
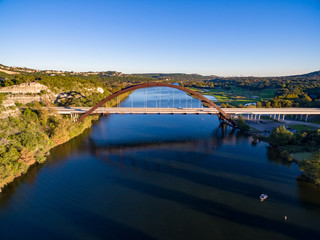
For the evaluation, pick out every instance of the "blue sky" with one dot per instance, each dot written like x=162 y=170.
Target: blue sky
x=220 y=37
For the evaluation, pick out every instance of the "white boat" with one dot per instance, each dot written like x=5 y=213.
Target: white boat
x=263 y=197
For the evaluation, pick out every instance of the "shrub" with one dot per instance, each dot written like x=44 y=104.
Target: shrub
x=241 y=123
x=18 y=104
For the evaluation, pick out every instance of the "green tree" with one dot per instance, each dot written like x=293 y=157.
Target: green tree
x=259 y=105
x=281 y=136
x=241 y=124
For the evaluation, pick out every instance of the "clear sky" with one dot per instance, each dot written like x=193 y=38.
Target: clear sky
x=220 y=37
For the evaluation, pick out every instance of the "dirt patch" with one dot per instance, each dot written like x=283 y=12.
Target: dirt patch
x=8 y=72
x=299 y=156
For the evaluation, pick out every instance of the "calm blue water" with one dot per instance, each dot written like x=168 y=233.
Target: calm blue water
x=160 y=177
x=162 y=97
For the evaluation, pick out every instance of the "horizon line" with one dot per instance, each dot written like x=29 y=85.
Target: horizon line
x=140 y=73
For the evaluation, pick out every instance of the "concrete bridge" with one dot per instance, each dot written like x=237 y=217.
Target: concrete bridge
x=252 y=113
x=210 y=107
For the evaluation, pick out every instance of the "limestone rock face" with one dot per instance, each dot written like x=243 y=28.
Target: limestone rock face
x=24 y=99
x=9 y=113
x=26 y=93
x=31 y=87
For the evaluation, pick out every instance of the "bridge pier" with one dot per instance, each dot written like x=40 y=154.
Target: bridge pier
x=306 y=119
x=74 y=117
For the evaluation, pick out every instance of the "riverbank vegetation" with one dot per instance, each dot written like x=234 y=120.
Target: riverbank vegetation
x=312 y=168
x=241 y=124
x=306 y=142
x=295 y=142
x=27 y=139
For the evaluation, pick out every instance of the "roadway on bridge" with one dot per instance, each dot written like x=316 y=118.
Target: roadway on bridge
x=232 y=111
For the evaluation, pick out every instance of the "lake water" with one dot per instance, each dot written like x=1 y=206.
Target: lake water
x=160 y=177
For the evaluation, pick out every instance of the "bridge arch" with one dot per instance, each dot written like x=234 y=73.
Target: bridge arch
x=194 y=94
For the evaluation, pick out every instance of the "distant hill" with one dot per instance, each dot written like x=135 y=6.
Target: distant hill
x=175 y=76
x=24 y=70
x=158 y=76
x=195 y=77
x=312 y=75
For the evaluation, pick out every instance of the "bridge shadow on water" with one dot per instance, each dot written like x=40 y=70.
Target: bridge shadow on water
x=192 y=170
x=121 y=156
x=219 y=210
x=223 y=135
x=195 y=170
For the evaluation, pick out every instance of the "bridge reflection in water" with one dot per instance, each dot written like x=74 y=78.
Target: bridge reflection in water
x=116 y=153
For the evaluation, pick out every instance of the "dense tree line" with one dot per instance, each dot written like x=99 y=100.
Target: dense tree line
x=70 y=81
x=292 y=91
x=175 y=77
x=302 y=140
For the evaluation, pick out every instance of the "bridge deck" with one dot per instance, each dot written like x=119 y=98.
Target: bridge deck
x=232 y=111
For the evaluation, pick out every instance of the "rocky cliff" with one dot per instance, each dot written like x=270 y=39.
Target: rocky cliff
x=26 y=93
x=31 y=87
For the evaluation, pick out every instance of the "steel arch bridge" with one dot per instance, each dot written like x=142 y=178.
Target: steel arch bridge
x=222 y=115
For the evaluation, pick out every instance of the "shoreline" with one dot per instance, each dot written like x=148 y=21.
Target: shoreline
x=80 y=128
x=286 y=155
